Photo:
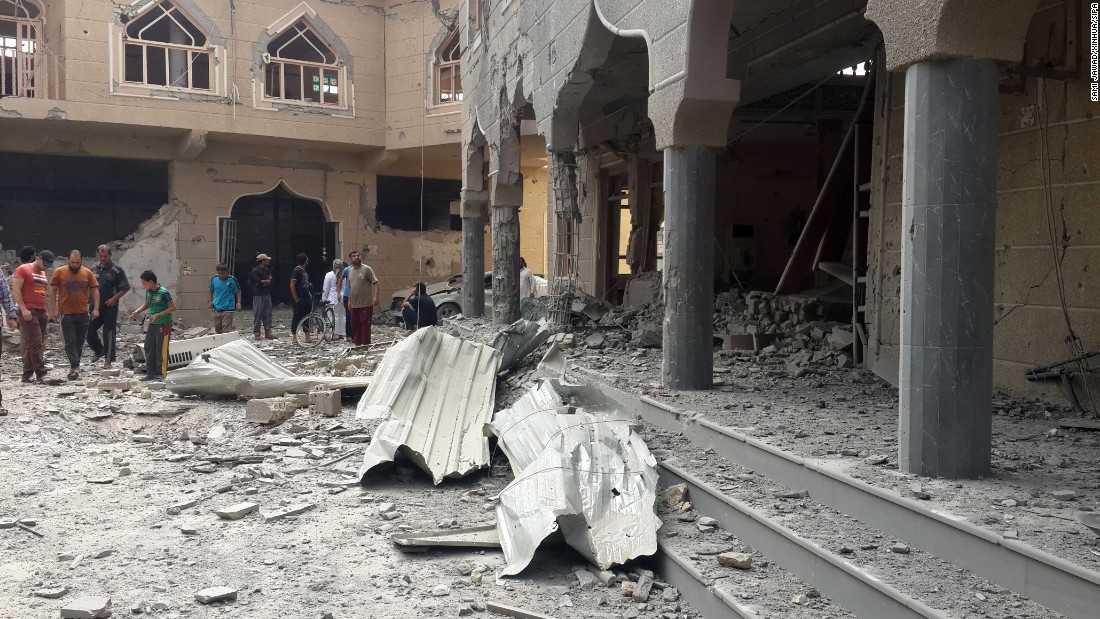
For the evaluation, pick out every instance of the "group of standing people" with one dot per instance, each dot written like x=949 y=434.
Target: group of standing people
x=84 y=301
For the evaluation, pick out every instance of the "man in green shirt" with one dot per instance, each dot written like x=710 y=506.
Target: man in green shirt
x=160 y=305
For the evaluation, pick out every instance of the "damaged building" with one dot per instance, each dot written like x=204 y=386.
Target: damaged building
x=188 y=132
x=928 y=166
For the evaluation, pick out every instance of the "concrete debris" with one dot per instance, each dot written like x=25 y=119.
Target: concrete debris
x=643 y=289
x=738 y=560
x=239 y=369
x=518 y=340
x=215 y=594
x=647 y=336
x=642 y=587
x=269 y=410
x=52 y=593
x=553 y=363
x=291 y=510
x=513 y=611
x=238 y=511
x=577 y=462
x=87 y=608
x=435 y=394
x=325 y=403
x=473 y=537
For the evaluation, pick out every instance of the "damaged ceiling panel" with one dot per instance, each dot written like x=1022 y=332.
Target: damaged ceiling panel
x=240 y=369
x=580 y=466
x=518 y=340
x=435 y=394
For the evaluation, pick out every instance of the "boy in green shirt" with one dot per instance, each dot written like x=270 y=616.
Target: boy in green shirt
x=159 y=303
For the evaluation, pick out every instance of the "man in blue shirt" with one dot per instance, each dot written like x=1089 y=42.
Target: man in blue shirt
x=225 y=299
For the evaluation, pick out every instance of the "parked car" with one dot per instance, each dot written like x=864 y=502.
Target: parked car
x=448 y=296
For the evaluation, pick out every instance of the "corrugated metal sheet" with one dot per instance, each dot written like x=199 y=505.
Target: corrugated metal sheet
x=240 y=369
x=435 y=394
x=518 y=340
x=580 y=466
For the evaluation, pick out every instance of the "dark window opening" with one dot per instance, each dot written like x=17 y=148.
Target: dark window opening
x=399 y=203
x=62 y=203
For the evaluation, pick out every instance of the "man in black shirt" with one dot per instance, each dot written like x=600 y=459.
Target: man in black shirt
x=302 y=293
x=113 y=285
x=418 y=309
x=260 y=278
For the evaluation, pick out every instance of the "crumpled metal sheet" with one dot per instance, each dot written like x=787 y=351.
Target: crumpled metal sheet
x=240 y=369
x=435 y=393
x=579 y=465
x=518 y=340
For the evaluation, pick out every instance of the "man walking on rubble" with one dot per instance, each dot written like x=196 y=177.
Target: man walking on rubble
x=10 y=312
x=29 y=289
x=225 y=299
x=363 y=286
x=260 y=278
x=113 y=285
x=73 y=289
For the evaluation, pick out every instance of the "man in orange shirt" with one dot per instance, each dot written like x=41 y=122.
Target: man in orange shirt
x=73 y=287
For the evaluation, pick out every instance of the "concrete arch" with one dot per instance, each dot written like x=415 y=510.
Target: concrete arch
x=325 y=209
x=192 y=10
x=305 y=13
x=945 y=29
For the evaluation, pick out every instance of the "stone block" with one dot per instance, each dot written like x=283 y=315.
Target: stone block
x=111 y=385
x=300 y=400
x=292 y=510
x=325 y=403
x=738 y=560
x=210 y=595
x=269 y=410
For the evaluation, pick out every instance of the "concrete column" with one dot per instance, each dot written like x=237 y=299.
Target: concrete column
x=947 y=256
x=473 y=261
x=689 y=268
x=505 y=264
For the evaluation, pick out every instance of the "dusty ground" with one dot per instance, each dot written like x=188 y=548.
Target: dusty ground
x=337 y=557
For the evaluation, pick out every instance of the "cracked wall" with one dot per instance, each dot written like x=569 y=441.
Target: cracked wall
x=1030 y=328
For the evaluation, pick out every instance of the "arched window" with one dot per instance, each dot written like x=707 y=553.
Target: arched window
x=164 y=47
x=301 y=66
x=21 y=65
x=448 y=70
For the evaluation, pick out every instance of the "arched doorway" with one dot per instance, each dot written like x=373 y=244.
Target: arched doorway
x=282 y=225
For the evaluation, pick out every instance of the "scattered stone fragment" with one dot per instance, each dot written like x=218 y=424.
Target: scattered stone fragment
x=643 y=586
x=66 y=556
x=7 y=523
x=237 y=511
x=706 y=522
x=586 y=579
x=103 y=554
x=918 y=492
x=386 y=508
x=876 y=460
x=900 y=549
x=292 y=510
x=182 y=505
x=792 y=494
x=325 y=403
x=87 y=608
x=627 y=588
x=143 y=438
x=607 y=578
x=269 y=410
x=188 y=530
x=101 y=480
x=215 y=594
x=801 y=599
x=670 y=594
x=1011 y=534
x=1064 y=495
x=441 y=590
x=738 y=560
x=52 y=593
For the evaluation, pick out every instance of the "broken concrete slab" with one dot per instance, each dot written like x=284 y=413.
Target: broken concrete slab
x=210 y=595
x=435 y=393
x=239 y=369
x=473 y=537
x=87 y=607
x=52 y=593
x=237 y=511
x=290 y=510
x=518 y=340
x=588 y=472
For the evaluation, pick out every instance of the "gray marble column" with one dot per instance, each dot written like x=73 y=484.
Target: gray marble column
x=947 y=255
x=473 y=261
x=689 y=268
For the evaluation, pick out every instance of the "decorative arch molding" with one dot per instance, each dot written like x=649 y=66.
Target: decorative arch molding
x=20 y=49
x=286 y=186
x=136 y=9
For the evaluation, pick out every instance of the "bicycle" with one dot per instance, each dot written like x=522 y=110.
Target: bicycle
x=320 y=322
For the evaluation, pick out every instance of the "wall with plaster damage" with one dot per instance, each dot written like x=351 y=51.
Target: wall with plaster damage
x=1030 y=328
x=532 y=219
